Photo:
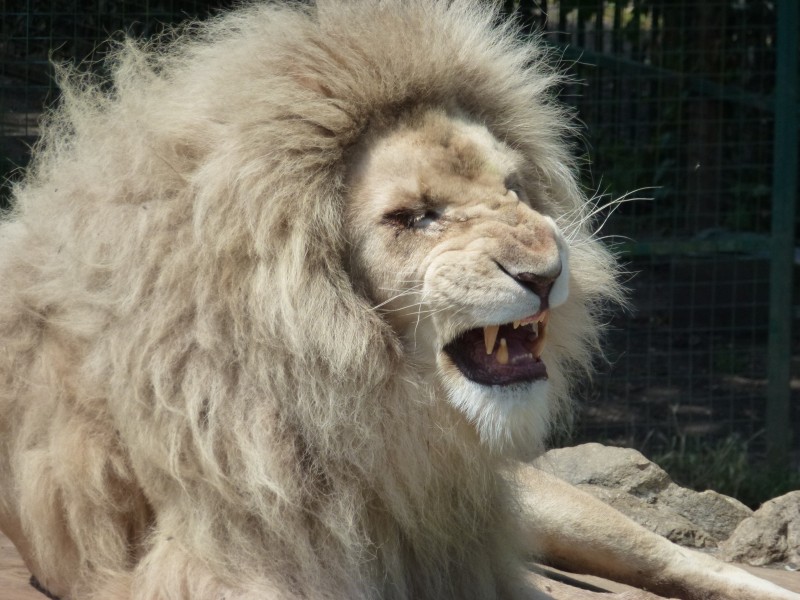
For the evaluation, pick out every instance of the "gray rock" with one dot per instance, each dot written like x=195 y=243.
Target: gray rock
x=606 y=466
x=770 y=535
x=643 y=491
x=716 y=513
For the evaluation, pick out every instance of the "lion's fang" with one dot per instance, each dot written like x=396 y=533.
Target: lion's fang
x=538 y=344
x=489 y=337
x=502 y=352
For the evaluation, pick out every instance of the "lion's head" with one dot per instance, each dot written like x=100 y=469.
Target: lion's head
x=309 y=275
x=456 y=249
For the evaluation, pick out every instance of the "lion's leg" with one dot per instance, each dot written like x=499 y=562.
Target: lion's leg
x=577 y=532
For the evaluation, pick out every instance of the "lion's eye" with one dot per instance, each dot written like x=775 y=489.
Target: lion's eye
x=421 y=221
x=411 y=219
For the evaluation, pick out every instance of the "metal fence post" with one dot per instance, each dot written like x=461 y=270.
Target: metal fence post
x=784 y=195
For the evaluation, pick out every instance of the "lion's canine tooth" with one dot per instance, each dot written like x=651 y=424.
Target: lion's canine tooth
x=489 y=337
x=502 y=352
x=516 y=324
x=538 y=344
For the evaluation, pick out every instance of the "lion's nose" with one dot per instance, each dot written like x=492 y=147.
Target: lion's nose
x=539 y=284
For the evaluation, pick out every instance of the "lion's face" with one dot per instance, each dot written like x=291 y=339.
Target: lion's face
x=456 y=256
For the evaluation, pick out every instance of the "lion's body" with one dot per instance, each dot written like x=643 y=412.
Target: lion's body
x=196 y=401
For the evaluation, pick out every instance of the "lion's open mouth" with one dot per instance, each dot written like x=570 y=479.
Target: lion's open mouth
x=502 y=354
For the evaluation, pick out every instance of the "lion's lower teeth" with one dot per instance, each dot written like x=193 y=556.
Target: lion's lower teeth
x=522 y=358
x=502 y=352
x=489 y=337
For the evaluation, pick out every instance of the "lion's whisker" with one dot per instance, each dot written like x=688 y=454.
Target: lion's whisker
x=395 y=297
x=571 y=228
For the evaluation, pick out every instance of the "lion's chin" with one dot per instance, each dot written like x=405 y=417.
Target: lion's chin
x=511 y=420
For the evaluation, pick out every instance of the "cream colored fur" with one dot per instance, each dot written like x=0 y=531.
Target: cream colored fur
x=221 y=371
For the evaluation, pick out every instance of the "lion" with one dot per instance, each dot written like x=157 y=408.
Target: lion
x=288 y=298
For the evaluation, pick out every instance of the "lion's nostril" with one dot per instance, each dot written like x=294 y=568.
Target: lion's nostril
x=538 y=284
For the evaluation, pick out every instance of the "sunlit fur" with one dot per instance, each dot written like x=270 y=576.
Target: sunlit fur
x=442 y=277
x=195 y=401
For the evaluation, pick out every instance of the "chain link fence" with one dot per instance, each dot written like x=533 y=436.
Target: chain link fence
x=678 y=98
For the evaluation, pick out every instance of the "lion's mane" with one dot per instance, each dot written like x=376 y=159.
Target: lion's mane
x=192 y=394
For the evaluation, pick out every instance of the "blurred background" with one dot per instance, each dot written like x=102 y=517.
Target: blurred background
x=689 y=112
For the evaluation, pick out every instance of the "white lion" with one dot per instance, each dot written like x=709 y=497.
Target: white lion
x=283 y=303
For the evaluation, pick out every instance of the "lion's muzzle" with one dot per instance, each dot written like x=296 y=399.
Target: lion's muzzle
x=507 y=353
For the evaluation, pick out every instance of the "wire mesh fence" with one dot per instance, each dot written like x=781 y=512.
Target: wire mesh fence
x=36 y=33
x=677 y=98
x=678 y=101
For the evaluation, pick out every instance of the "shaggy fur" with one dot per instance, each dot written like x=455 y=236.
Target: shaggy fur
x=196 y=400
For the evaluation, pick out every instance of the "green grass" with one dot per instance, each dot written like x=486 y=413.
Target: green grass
x=725 y=466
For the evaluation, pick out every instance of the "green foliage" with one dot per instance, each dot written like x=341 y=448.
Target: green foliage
x=725 y=466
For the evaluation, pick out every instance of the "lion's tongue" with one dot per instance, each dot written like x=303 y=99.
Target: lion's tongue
x=500 y=355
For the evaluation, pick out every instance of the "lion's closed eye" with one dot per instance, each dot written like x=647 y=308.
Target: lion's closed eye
x=409 y=218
